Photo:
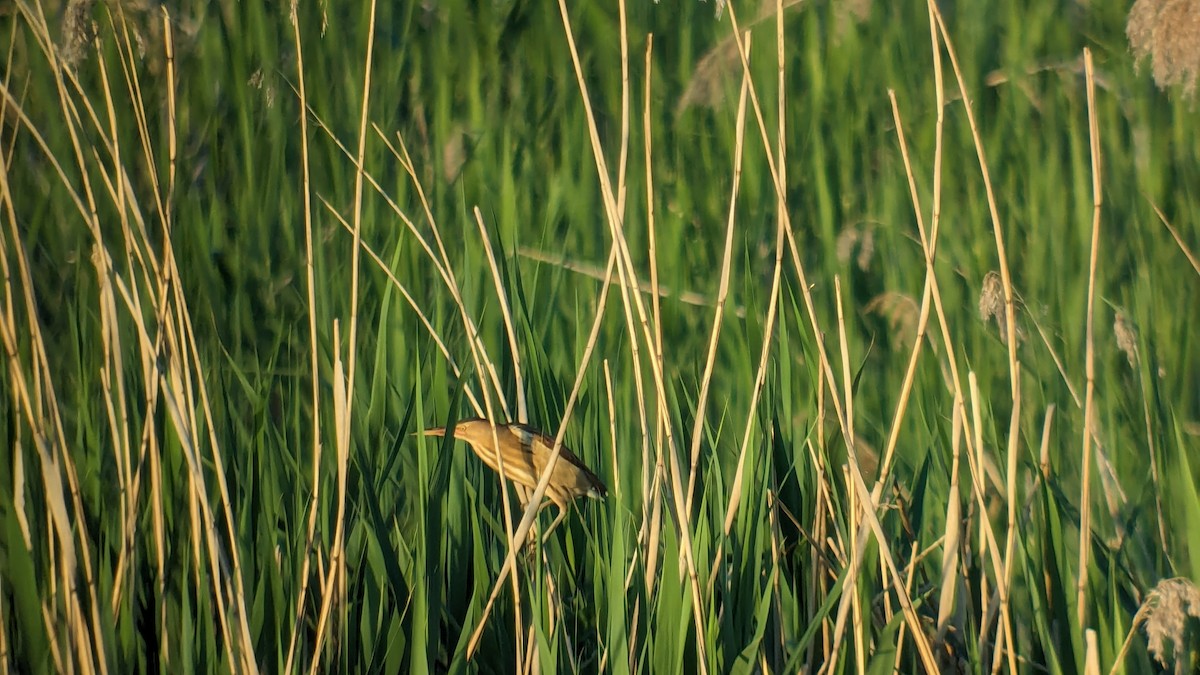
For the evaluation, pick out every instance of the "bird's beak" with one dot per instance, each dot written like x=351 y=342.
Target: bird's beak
x=440 y=431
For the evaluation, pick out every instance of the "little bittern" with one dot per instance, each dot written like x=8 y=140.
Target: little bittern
x=525 y=452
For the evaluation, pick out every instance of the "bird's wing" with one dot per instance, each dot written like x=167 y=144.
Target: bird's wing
x=529 y=436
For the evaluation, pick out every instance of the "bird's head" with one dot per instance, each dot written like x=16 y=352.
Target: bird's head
x=474 y=429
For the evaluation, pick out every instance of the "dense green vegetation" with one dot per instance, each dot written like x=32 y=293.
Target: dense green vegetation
x=829 y=440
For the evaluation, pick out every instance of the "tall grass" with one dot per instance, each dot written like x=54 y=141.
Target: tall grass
x=878 y=326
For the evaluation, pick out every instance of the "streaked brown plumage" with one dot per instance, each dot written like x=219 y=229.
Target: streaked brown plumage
x=526 y=452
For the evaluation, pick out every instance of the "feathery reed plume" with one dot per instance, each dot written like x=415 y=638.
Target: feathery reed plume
x=1173 y=602
x=1127 y=335
x=991 y=306
x=1168 y=31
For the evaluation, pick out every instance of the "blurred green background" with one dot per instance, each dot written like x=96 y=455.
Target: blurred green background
x=166 y=506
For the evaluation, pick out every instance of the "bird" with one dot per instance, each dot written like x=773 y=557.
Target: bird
x=525 y=452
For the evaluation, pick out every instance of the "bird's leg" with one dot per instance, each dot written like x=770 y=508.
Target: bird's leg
x=562 y=513
x=523 y=493
x=532 y=537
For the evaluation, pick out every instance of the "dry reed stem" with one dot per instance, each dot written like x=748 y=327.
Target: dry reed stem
x=148 y=443
x=908 y=582
x=651 y=504
x=859 y=484
x=705 y=87
x=947 y=605
x=623 y=148
x=483 y=364
x=479 y=355
x=506 y=315
x=612 y=434
x=641 y=541
x=237 y=590
x=1006 y=280
x=760 y=372
x=784 y=227
x=776 y=277
x=47 y=414
x=444 y=271
x=149 y=357
x=128 y=480
x=1138 y=619
x=344 y=410
x=412 y=303
x=1014 y=372
x=356 y=251
x=522 y=417
x=179 y=398
x=444 y=266
x=722 y=293
x=186 y=334
x=172 y=135
x=817 y=588
x=930 y=289
x=988 y=546
x=1092 y=657
x=536 y=497
x=22 y=399
x=161 y=312
x=449 y=278
x=1187 y=252
x=985 y=174
x=25 y=402
x=341 y=424
x=539 y=491
x=1009 y=314
x=929 y=245
x=1085 y=510
x=310 y=294
x=855 y=507
x=625 y=269
x=1004 y=582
